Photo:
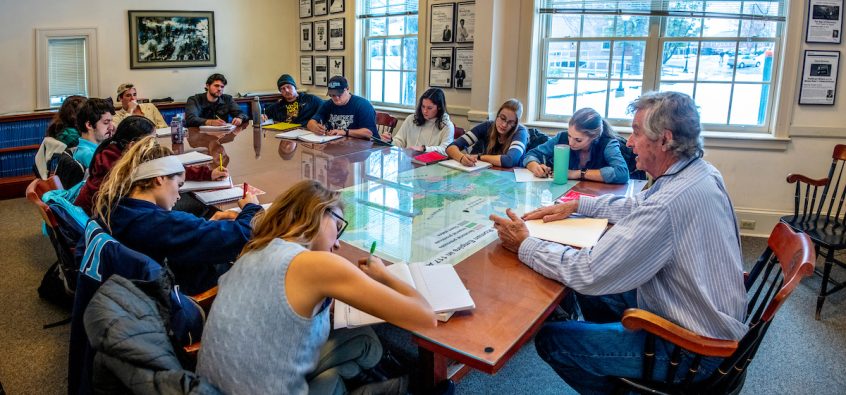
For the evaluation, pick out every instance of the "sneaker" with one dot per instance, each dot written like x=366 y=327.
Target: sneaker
x=394 y=386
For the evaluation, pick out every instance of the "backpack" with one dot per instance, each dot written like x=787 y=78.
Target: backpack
x=536 y=138
x=631 y=163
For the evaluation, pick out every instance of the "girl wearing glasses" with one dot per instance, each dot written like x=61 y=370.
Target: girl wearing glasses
x=268 y=330
x=500 y=142
x=594 y=151
x=134 y=205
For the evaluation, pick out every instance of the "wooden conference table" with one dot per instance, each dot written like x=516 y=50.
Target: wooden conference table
x=512 y=301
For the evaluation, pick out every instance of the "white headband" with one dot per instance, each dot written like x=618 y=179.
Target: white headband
x=164 y=166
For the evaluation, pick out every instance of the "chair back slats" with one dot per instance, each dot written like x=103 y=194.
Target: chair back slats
x=835 y=165
x=385 y=123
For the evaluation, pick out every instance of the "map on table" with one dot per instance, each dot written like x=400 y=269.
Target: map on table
x=433 y=214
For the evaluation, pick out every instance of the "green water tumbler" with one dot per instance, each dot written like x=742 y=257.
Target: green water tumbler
x=560 y=163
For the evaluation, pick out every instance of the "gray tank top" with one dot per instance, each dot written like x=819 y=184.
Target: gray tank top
x=253 y=341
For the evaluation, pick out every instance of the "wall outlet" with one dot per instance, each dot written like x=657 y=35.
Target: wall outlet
x=747 y=224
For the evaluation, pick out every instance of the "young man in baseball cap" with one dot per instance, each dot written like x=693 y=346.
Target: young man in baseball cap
x=344 y=114
x=294 y=107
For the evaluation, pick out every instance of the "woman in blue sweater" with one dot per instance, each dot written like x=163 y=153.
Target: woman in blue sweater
x=594 y=151
x=134 y=205
x=500 y=142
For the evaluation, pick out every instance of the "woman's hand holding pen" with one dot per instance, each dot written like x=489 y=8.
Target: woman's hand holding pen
x=468 y=159
x=248 y=198
x=219 y=173
x=373 y=267
x=539 y=170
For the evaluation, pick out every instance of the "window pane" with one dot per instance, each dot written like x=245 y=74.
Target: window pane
x=721 y=27
x=561 y=59
x=619 y=99
x=713 y=106
x=411 y=25
x=409 y=60
x=559 y=97
x=592 y=94
x=376 y=49
x=376 y=26
x=593 y=59
x=392 y=86
x=393 y=54
x=683 y=27
x=749 y=104
x=751 y=63
x=598 y=26
x=632 y=26
x=565 y=26
x=374 y=85
x=679 y=61
x=409 y=86
x=678 y=87
x=66 y=68
x=759 y=28
x=629 y=55
x=712 y=61
x=396 y=26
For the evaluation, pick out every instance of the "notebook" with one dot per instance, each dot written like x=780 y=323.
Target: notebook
x=282 y=126
x=188 y=186
x=576 y=232
x=571 y=195
x=162 y=132
x=305 y=135
x=192 y=157
x=225 y=128
x=267 y=122
x=439 y=285
x=429 y=158
x=453 y=164
x=219 y=196
x=526 y=175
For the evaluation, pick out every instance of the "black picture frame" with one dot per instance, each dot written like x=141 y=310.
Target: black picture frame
x=441 y=61
x=336 y=36
x=824 y=12
x=306 y=36
x=321 y=35
x=320 y=7
x=192 y=46
x=306 y=70
x=335 y=6
x=822 y=70
x=305 y=9
x=464 y=11
x=321 y=70
x=334 y=67
x=460 y=58
x=442 y=23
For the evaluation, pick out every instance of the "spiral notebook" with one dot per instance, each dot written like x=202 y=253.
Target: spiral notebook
x=220 y=195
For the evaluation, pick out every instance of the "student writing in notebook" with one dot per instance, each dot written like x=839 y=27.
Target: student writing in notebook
x=500 y=142
x=429 y=128
x=213 y=107
x=134 y=206
x=130 y=130
x=594 y=151
x=268 y=328
x=344 y=114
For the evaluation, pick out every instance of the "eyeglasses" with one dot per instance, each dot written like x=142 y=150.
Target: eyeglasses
x=343 y=225
x=505 y=120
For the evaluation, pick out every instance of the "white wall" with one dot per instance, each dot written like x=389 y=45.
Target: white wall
x=255 y=39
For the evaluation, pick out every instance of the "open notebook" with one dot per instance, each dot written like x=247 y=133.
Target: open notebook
x=205 y=185
x=453 y=164
x=439 y=285
x=305 y=135
x=576 y=232
x=220 y=195
x=190 y=158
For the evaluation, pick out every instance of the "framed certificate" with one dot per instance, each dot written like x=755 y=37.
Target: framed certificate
x=306 y=70
x=825 y=21
x=321 y=36
x=321 y=71
x=305 y=36
x=336 y=34
x=819 y=78
x=336 y=66
x=305 y=8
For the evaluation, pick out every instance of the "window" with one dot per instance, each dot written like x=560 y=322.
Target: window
x=66 y=64
x=604 y=54
x=390 y=47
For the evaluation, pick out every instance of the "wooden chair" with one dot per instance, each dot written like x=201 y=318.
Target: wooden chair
x=385 y=123
x=823 y=219
x=788 y=258
x=63 y=247
x=457 y=133
x=205 y=300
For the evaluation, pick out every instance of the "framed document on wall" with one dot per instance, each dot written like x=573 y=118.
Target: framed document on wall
x=336 y=33
x=321 y=36
x=336 y=66
x=321 y=70
x=336 y=6
x=463 y=75
x=320 y=8
x=440 y=68
x=441 y=23
x=306 y=71
x=465 y=29
x=825 y=21
x=305 y=36
x=305 y=8
x=819 y=77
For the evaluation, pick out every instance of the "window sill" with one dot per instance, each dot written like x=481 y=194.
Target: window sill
x=713 y=139
x=401 y=110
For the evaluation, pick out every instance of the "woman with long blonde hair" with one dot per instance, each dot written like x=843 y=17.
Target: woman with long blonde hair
x=500 y=142
x=269 y=323
x=134 y=204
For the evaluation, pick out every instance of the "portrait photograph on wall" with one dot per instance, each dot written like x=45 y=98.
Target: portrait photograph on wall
x=321 y=71
x=321 y=35
x=305 y=36
x=306 y=71
x=441 y=23
x=320 y=8
x=305 y=8
x=336 y=33
x=466 y=22
x=166 y=39
x=336 y=66
x=440 y=68
x=463 y=76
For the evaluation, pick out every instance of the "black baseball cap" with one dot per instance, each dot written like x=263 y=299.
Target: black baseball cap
x=336 y=85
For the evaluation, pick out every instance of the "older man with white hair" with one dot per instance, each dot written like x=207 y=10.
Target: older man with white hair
x=674 y=250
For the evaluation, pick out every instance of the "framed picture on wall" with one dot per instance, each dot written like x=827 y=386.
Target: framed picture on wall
x=190 y=43
x=305 y=8
x=336 y=66
x=306 y=76
x=441 y=23
x=466 y=17
x=306 y=36
x=825 y=21
x=440 y=67
x=336 y=6
x=336 y=33
x=819 y=77
x=463 y=75
x=321 y=70
x=321 y=35
x=320 y=8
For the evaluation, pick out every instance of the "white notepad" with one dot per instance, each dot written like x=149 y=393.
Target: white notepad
x=220 y=195
x=162 y=132
x=454 y=164
x=306 y=136
x=576 y=232
x=190 y=158
x=292 y=134
x=526 y=175
x=224 y=128
x=439 y=285
x=188 y=186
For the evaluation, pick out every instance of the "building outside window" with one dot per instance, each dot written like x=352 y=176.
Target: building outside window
x=389 y=43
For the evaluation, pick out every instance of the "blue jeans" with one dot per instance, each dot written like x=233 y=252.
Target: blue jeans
x=589 y=354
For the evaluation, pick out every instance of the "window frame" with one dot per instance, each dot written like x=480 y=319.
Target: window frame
x=365 y=39
x=42 y=80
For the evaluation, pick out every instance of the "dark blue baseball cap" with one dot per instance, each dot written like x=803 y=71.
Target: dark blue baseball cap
x=336 y=85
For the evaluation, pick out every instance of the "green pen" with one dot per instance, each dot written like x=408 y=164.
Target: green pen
x=372 y=249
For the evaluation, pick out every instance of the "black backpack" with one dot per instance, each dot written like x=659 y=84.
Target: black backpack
x=536 y=138
x=630 y=157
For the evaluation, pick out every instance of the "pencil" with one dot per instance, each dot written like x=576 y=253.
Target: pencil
x=220 y=167
x=246 y=188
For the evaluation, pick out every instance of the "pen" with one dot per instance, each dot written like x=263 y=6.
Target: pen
x=372 y=249
x=220 y=167
x=246 y=188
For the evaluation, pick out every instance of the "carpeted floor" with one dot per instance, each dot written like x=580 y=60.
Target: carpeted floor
x=799 y=355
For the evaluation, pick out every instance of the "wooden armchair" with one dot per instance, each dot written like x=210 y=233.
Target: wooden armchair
x=385 y=124
x=204 y=300
x=821 y=216
x=788 y=258
x=458 y=132
x=63 y=247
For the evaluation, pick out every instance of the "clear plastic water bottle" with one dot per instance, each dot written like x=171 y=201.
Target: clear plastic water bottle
x=176 y=129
